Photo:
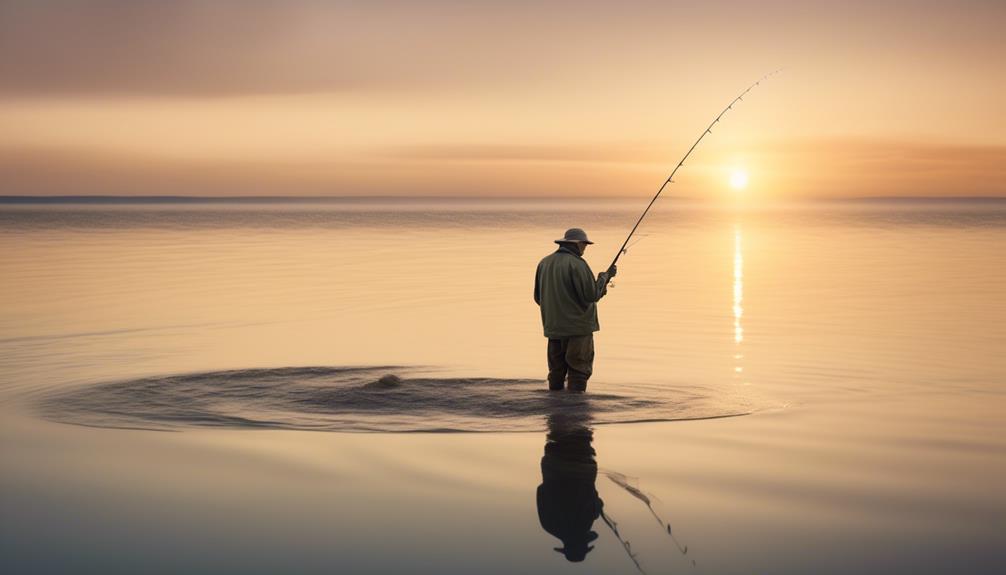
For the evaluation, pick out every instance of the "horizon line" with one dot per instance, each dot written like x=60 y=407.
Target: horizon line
x=195 y=199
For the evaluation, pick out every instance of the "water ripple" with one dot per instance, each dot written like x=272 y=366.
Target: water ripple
x=378 y=398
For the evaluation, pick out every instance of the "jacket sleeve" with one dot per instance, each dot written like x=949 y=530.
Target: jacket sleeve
x=587 y=288
x=537 y=285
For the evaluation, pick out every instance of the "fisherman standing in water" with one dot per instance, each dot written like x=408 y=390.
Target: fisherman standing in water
x=567 y=292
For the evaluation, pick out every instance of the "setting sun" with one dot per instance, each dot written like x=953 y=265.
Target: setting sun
x=738 y=179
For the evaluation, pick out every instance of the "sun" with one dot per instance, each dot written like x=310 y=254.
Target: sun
x=738 y=179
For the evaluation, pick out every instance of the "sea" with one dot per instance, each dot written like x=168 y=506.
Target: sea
x=357 y=385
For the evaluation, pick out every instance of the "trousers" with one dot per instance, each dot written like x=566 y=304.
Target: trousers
x=571 y=357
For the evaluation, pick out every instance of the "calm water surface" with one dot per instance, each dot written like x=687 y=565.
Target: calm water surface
x=860 y=347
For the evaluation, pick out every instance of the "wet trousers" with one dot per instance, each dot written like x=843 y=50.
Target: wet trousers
x=571 y=357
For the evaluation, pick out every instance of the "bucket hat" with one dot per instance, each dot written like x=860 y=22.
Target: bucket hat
x=574 y=235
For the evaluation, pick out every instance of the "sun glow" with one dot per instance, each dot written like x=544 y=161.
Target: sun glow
x=738 y=179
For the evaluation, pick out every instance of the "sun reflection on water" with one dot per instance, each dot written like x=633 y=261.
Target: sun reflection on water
x=738 y=302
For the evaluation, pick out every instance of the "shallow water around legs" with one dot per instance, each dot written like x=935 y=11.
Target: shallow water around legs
x=861 y=343
x=364 y=399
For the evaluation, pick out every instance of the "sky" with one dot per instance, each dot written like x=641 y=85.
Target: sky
x=514 y=98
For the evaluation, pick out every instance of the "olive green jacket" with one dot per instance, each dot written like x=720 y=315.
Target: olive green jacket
x=566 y=291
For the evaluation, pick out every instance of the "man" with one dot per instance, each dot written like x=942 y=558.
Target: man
x=568 y=503
x=567 y=292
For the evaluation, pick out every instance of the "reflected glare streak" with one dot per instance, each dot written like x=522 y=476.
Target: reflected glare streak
x=738 y=287
x=738 y=307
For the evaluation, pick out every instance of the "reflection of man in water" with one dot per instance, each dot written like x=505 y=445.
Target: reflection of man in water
x=566 y=290
x=568 y=502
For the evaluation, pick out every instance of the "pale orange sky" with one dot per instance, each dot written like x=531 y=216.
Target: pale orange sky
x=500 y=98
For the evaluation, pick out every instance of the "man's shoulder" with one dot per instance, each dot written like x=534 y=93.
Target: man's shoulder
x=563 y=262
x=557 y=255
x=549 y=257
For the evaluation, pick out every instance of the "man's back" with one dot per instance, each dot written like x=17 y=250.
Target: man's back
x=567 y=292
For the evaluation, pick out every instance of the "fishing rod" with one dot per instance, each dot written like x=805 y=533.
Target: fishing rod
x=625 y=544
x=670 y=179
x=623 y=482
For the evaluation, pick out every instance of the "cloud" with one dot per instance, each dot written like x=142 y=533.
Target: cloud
x=35 y=172
x=191 y=47
x=813 y=169
x=537 y=153
x=847 y=167
x=231 y=47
